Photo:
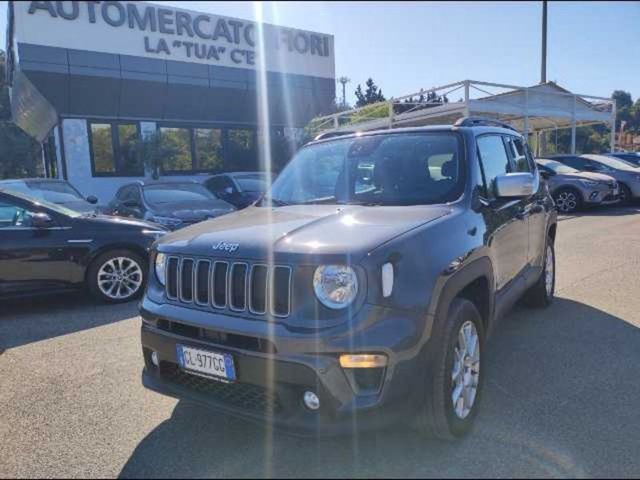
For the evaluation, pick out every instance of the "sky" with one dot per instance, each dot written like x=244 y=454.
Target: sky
x=593 y=47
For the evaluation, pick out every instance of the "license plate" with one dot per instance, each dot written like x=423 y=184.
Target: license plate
x=218 y=366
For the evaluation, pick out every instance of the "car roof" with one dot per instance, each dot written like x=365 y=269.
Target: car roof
x=148 y=183
x=476 y=129
x=31 y=180
x=237 y=174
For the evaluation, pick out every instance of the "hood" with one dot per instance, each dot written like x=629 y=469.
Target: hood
x=301 y=229
x=111 y=221
x=193 y=211
x=597 y=177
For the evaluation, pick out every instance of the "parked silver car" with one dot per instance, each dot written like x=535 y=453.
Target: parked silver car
x=625 y=173
x=572 y=189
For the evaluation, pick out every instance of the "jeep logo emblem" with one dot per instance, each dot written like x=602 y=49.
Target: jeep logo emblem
x=226 y=247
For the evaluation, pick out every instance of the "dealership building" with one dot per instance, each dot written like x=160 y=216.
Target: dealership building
x=107 y=85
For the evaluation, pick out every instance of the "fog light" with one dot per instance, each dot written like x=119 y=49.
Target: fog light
x=363 y=361
x=154 y=359
x=311 y=401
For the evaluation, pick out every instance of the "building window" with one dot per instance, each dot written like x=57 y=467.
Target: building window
x=208 y=147
x=241 y=151
x=115 y=149
x=102 y=149
x=176 y=149
x=129 y=158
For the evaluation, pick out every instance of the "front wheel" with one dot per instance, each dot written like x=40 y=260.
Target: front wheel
x=117 y=276
x=455 y=373
x=625 y=194
x=567 y=200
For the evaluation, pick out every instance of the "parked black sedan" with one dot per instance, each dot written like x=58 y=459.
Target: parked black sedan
x=47 y=248
x=52 y=190
x=173 y=204
x=240 y=189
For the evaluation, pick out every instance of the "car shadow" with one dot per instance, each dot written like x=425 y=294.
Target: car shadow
x=31 y=320
x=560 y=400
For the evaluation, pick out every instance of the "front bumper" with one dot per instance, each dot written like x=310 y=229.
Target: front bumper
x=273 y=372
x=606 y=196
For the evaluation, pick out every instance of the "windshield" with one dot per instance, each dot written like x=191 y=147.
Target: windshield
x=389 y=169
x=252 y=182
x=176 y=193
x=612 y=162
x=56 y=192
x=557 y=167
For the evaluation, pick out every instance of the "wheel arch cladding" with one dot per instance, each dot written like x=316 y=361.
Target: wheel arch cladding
x=475 y=283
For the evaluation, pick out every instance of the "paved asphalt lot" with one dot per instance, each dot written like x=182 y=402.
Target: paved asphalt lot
x=561 y=398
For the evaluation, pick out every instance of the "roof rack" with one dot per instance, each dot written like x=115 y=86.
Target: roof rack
x=325 y=135
x=478 y=121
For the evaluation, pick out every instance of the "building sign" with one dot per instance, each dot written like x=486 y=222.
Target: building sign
x=155 y=31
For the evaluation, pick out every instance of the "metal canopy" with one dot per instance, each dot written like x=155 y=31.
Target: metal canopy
x=530 y=110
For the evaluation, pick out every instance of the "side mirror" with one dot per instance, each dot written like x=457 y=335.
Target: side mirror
x=92 y=199
x=228 y=191
x=41 y=220
x=515 y=185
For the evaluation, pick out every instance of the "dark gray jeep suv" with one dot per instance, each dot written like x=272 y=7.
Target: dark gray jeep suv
x=361 y=289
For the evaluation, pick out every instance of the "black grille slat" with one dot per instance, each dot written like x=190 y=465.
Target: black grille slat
x=258 y=289
x=242 y=395
x=186 y=280
x=281 y=286
x=220 y=284
x=238 y=286
x=172 y=277
x=238 y=293
x=203 y=279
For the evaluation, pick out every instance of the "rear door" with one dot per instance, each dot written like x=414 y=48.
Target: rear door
x=508 y=232
x=31 y=259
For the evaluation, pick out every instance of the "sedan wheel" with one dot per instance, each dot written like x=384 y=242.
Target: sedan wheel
x=120 y=278
x=117 y=276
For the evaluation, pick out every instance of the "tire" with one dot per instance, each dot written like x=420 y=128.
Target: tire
x=542 y=293
x=567 y=200
x=131 y=270
x=625 y=194
x=438 y=416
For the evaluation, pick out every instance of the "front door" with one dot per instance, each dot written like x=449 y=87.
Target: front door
x=31 y=259
x=507 y=227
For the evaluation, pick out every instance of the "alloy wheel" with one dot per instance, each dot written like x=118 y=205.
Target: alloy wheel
x=465 y=376
x=566 y=202
x=120 y=278
x=549 y=271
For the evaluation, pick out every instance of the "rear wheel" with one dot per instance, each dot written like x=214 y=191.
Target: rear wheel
x=117 y=276
x=567 y=200
x=455 y=374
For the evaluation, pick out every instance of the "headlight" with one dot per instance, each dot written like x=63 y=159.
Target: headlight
x=166 y=221
x=154 y=233
x=160 y=267
x=336 y=286
x=589 y=183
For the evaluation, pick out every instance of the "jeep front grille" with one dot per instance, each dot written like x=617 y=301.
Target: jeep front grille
x=236 y=286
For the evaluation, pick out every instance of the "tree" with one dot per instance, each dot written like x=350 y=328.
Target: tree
x=371 y=95
x=622 y=98
x=20 y=155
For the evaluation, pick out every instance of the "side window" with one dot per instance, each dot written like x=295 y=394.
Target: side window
x=14 y=216
x=521 y=163
x=127 y=193
x=493 y=160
